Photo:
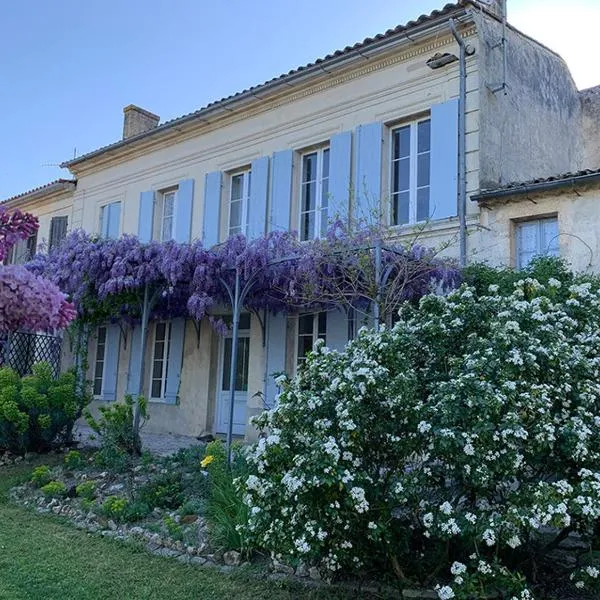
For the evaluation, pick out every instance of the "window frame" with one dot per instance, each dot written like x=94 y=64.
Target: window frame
x=104 y=208
x=413 y=187
x=54 y=221
x=244 y=201
x=539 y=220
x=315 y=334
x=99 y=396
x=318 y=209
x=166 y=341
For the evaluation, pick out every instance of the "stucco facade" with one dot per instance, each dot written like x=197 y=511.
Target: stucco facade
x=526 y=122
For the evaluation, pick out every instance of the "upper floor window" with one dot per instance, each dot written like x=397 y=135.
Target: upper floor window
x=411 y=153
x=239 y=200
x=314 y=191
x=535 y=238
x=311 y=327
x=167 y=215
x=22 y=251
x=160 y=360
x=99 y=362
x=110 y=220
x=58 y=231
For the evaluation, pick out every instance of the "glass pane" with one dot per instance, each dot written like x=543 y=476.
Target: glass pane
x=403 y=142
x=97 y=387
x=156 y=391
x=169 y=204
x=98 y=370
x=324 y=222
x=159 y=350
x=550 y=237
x=249 y=177
x=237 y=182
x=423 y=169
x=305 y=324
x=244 y=321
x=307 y=226
x=101 y=335
x=241 y=376
x=324 y=192
x=235 y=214
x=157 y=369
x=309 y=194
x=322 y=318
x=309 y=167
x=167 y=229
x=423 y=136
x=527 y=237
x=226 y=364
x=305 y=344
x=326 y=163
x=423 y=204
x=401 y=175
x=400 y=212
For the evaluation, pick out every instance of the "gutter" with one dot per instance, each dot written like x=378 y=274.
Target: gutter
x=537 y=187
x=285 y=82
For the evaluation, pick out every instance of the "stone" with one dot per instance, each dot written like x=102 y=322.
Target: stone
x=197 y=560
x=279 y=567
x=313 y=573
x=137 y=469
x=302 y=570
x=136 y=531
x=116 y=487
x=189 y=519
x=232 y=558
x=112 y=524
x=56 y=509
x=167 y=552
x=419 y=594
x=184 y=558
x=190 y=550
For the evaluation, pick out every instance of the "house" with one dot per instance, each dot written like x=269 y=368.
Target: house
x=429 y=123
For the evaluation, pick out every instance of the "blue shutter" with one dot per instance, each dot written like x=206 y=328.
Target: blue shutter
x=135 y=375
x=444 y=160
x=113 y=219
x=183 y=210
x=281 y=191
x=111 y=363
x=259 y=188
x=275 y=354
x=340 y=157
x=369 y=143
x=337 y=329
x=212 y=209
x=175 y=360
x=146 y=217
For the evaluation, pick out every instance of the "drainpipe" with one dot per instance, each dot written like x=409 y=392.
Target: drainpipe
x=462 y=163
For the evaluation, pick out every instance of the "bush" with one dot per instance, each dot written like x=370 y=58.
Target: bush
x=73 y=459
x=119 y=442
x=87 y=490
x=114 y=508
x=41 y=475
x=55 y=489
x=466 y=436
x=165 y=491
x=226 y=511
x=37 y=411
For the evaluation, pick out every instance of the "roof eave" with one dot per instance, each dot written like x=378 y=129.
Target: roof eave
x=47 y=190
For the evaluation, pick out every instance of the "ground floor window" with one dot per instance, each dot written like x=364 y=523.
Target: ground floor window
x=311 y=327
x=99 y=362
x=533 y=238
x=160 y=360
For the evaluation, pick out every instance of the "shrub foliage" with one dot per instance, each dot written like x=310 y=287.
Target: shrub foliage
x=457 y=449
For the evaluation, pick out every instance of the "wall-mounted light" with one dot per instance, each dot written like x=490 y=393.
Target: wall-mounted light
x=439 y=60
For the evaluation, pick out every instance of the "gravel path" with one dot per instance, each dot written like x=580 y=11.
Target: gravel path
x=162 y=444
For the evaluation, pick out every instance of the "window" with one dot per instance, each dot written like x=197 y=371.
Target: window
x=99 y=363
x=311 y=327
x=167 y=213
x=58 y=231
x=536 y=238
x=314 y=191
x=110 y=220
x=160 y=360
x=22 y=251
x=238 y=202
x=411 y=152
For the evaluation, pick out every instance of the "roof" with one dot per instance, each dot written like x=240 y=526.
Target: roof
x=53 y=186
x=541 y=184
x=318 y=66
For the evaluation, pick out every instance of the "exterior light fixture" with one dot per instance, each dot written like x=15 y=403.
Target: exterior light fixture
x=439 y=60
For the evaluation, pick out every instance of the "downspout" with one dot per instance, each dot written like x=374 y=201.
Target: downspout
x=462 y=164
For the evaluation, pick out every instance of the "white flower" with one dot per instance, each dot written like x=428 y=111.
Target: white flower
x=489 y=537
x=592 y=572
x=514 y=541
x=360 y=503
x=484 y=568
x=445 y=593
x=468 y=449
x=446 y=508
x=424 y=427
x=458 y=568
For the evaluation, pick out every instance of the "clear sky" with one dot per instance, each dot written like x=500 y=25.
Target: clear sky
x=68 y=67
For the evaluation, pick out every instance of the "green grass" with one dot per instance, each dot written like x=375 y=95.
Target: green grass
x=45 y=558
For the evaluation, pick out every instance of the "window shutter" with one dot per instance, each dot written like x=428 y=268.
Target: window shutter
x=113 y=220
x=183 y=210
x=275 y=354
x=146 y=218
x=281 y=191
x=340 y=164
x=111 y=363
x=259 y=188
x=369 y=143
x=175 y=360
x=337 y=329
x=444 y=160
x=135 y=375
x=58 y=231
x=212 y=209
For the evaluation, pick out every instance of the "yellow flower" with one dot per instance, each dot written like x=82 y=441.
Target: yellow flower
x=207 y=460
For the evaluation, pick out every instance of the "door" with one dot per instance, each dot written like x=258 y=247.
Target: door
x=241 y=385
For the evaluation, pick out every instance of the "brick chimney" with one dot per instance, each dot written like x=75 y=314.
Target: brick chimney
x=136 y=120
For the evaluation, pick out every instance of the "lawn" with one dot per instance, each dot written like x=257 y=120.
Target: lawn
x=44 y=558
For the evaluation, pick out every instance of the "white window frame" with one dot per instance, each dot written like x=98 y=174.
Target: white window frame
x=103 y=211
x=320 y=196
x=97 y=360
x=539 y=222
x=164 y=359
x=160 y=214
x=413 y=171
x=315 y=334
x=246 y=175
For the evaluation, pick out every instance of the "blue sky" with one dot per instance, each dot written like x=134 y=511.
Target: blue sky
x=68 y=67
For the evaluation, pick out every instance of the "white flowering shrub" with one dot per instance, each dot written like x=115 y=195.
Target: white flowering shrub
x=457 y=449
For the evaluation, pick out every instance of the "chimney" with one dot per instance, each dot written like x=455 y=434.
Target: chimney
x=136 y=120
